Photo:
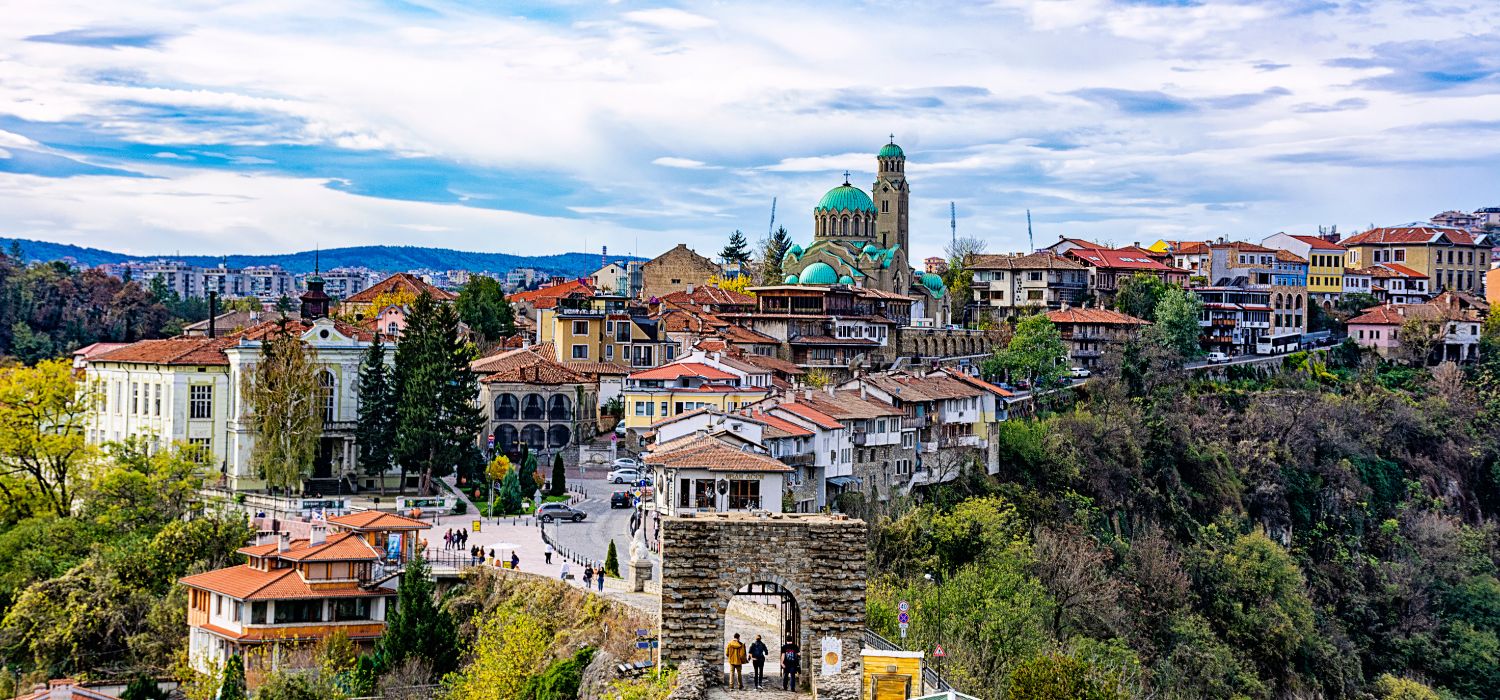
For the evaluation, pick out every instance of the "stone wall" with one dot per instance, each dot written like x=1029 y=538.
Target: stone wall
x=675 y=271
x=819 y=559
x=930 y=343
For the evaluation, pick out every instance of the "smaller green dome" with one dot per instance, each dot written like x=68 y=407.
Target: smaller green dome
x=790 y=279
x=845 y=197
x=845 y=279
x=934 y=284
x=819 y=273
x=891 y=150
x=870 y=249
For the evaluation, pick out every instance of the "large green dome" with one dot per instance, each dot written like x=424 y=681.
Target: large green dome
x=819 y=273
x=845 y=197
x=934 y=284
x=891 y=150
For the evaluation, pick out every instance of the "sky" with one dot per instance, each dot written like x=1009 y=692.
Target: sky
x=208 y=126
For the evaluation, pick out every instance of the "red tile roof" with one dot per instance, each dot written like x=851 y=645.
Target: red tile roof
x=707 y=295
x=546 y=297
x=173 y=351
x=976 y=381
x=1099 y=316
x=1119 y=260
x=344 y=546
x=1289 y=256
x=1401 y=270
x=400 y=282
x=684 y=369
x=811 y=414
x=714 y=455
x=1033 y=261
x=1242 y=247
x=246 y=583
x=529 y=365
x=375 y=520
x=1414 y=233
x=1319 y=243
x=781 y=424
x=1188 y=247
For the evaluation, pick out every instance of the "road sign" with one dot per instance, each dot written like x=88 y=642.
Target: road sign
x=642 y=632
x=903 y=630
x=938 y=653
x=643 y=644
x=903 y=607
x=904 y=618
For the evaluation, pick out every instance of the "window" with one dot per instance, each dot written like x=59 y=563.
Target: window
x=609 y=352
x=156 y=406
x=643 y=408
x=1400 y=254
x=580 y=328
x=580 y=352
x=744 y=494
x=685 y=493
x=235 y=610
x=1034 y=276
x=325 y=394
x=258 y=613
x=135 y=398
x=201 y=401
x=351 y=609
x=391 y=329
x=671 y=352
x=703 y=493
x=200 y=449
x=1033 y=295
x=663 y=410
x=885 y=206
x=507 y=407
x=299 y=611
x=218 y=604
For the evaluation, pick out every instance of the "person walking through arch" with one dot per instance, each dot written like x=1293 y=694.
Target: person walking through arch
x=758 y=653
x=734 y=653
x=791 y=664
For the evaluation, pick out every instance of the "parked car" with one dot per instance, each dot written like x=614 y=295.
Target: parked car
x=559 y=511
x=624 y=475
x=1217 y=357
x=628 y=463
x=621 y=499
x=1080 y=373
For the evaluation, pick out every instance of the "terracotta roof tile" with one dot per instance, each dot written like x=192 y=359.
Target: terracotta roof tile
x=810 y=414
x=346 y=546
x=377 y=520
x=529 y=365
x=1289 y=256
x=1032 y=261
x=782 y=424
x=705 y=295
x=774 y=364
x=714 y=455
x=1319 y=244
x=400 y=282
x=684 y=369
x=547 y=297
x=1413 y=233
x=1099 y=316
x=173 y=351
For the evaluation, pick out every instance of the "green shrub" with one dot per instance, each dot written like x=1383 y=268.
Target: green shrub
x=612 y=561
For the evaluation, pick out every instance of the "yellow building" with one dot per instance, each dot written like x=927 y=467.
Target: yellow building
x=678 y=388
x=608 y=329
x=1451 y=258
x=1326 y=262
x=891 y=675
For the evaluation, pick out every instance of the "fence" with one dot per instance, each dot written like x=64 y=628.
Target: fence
x=930 y=678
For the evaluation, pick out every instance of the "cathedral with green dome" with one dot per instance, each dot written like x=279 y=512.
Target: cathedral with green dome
x=863 y=241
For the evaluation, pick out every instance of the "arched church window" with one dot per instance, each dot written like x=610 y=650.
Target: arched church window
x=885 y=204
x=844 y=226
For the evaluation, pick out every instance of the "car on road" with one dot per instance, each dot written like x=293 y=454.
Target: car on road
x=1080 y=373
x=624 y=475
x=621 y=499
x=1217 y=357
x=548 y=512
x=628 y=463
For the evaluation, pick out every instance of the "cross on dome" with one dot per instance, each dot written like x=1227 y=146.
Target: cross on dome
x=846 y=177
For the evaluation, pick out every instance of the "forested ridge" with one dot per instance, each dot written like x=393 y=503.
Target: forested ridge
x=1326 y=530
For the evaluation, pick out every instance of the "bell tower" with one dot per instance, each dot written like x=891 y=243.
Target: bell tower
x=892 y=197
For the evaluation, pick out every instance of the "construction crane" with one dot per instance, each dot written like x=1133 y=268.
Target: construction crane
x=1030 y=242
x=953 y=224
x=772 y=228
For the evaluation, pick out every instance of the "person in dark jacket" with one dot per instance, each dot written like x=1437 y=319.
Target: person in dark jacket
x=758 y=653
x=791 y=664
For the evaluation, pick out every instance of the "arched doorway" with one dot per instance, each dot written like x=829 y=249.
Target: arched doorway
x=768 y=610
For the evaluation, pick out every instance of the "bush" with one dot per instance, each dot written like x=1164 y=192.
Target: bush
x=460 y=508
x=561 y=679
x=612 y=561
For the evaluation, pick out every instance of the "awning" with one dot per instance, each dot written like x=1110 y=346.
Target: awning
x=842 y=481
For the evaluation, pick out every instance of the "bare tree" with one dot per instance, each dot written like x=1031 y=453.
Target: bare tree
x=285 y=405
x=1075 y=570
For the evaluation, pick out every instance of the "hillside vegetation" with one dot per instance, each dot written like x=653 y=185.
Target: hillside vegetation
x=1326 y=531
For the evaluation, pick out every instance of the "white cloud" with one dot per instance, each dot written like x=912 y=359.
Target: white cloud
x=684 y=163
x=670 y=18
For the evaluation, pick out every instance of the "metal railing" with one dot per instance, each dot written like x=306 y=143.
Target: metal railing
x=930 y=677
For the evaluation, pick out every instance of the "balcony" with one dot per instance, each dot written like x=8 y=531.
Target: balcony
x=806 y=459
x=859 y=437
x=1224 y=322
x=915 y=422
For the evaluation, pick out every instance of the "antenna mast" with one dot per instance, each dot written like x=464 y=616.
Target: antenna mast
x=772 y=228
x=953 y=224
x=1030 y=242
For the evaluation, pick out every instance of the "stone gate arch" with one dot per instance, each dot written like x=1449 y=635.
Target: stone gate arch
x=707 y=558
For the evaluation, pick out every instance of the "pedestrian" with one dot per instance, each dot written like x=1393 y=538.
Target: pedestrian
x=600 y=575
x=758 y=653
x=791 y=663
x=465 y=536
x=588 y=576
x=492 y=558
x=548 y=553
x=515 y=560
x=734 y=653
x=564 y=575
x=447 y=539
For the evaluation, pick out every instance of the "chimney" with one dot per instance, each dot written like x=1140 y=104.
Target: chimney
x=1136 y=244
x=864 y=391
x=807 y=394
x=213 y=310
x=265 y=537
x=319 y=535
x=690 y=288
x=829 y=388
x=284 y=542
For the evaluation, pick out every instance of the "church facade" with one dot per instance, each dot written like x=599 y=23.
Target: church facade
x=862 y=241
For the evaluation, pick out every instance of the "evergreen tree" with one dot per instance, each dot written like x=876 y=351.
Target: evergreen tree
x=1176 y=328
x=738 y=251
x=775 y=249
x=1139 y=294
x=612 y=561
x=437 y=410
x=144 y=687
x=419 y=627
x=482 y=305
x=233 y=685
x=559 y=477
x=509 y=500
x=375 y=434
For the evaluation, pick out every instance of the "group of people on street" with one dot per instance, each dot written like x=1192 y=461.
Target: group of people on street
x=737 y=654
x=593 y=574
x=455 y=538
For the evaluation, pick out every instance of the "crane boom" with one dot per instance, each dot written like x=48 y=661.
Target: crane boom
x=772 y=228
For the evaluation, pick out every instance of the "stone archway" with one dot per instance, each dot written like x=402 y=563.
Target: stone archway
x=819 y=560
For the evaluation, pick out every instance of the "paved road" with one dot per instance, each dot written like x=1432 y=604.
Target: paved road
x=592 y=536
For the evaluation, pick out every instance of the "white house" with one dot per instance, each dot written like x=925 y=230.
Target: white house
x=698 y=475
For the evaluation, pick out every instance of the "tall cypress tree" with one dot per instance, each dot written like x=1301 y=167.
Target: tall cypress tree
x=559 y=477
x=233 y=685
x=419 y=627
x=376 y=434
x=437 y=411
x=737 y=251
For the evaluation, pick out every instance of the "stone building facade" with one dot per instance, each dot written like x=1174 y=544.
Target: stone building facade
x=817 y=560
x=676 y=270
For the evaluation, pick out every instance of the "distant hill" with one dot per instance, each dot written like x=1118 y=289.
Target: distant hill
x=385 y=258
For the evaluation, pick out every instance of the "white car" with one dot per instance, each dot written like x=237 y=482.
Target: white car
x=624 y=475
x=1080 y=373
x=1217 y=357
x=627 y=463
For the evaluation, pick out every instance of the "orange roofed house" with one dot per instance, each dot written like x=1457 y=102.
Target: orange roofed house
x=290 y=593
